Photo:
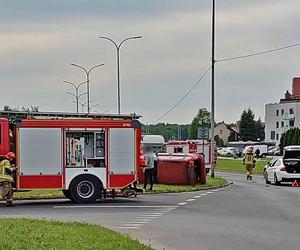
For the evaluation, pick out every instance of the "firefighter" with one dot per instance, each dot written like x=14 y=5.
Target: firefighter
x=249 y=162
x=6 y=179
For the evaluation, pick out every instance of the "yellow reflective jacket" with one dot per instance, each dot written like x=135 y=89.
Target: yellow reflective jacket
x=4 y=168
x=249 y=159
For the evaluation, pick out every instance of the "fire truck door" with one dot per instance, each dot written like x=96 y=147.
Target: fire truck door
x=40 y=158
x=122 y=156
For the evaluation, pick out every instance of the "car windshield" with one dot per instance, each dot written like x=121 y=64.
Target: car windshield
x=294 y=154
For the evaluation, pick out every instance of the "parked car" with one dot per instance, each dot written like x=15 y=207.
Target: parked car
x=226 y=151
x=263 y=150
x=273 y=171
x=285 y=169
x=273 y=150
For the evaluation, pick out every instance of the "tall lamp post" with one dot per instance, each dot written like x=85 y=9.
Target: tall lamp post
x=212 y=136
x=118 y=46
x=77 y=96
x=87 y=72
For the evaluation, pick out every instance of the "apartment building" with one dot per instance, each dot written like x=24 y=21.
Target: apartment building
x=282 y=116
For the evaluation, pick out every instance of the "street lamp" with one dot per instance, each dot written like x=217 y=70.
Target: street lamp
x=76 y=92
x=212 y=136
x=118 y=61
x=87 y=72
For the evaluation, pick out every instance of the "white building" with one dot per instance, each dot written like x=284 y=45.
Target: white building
x=282 y=116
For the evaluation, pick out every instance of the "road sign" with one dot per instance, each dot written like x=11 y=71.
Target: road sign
x=203 y=133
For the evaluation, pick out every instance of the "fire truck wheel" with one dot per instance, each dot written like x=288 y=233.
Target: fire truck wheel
x=85 y=189
x=67 y=194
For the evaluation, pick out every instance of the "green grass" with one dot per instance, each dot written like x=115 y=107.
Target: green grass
x=210 y=183
x=42 y=234
x=232 y=165
x=51 y=194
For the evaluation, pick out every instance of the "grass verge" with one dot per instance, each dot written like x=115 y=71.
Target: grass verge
x=232 y=165
x=38 y=194
x=20 y=233
x=210 y=183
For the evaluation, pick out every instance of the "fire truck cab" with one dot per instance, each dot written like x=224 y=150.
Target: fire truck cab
x=81 y=154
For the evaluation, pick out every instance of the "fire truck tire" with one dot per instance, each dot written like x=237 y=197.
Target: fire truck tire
x=67 y=194
x=85 y=189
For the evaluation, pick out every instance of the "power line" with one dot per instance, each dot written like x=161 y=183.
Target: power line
x=182 y=98
x=258 y=53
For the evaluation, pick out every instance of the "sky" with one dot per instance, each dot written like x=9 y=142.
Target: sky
x=39 y=40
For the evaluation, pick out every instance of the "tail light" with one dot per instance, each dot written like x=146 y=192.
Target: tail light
x=283 y=169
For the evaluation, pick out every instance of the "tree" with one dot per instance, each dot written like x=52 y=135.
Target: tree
x=290 y=137
x=259 y=130
x=247 y=126
x=201 y=119
x=219 y=141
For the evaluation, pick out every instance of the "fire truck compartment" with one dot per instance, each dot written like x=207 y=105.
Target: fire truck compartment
x=40 y=157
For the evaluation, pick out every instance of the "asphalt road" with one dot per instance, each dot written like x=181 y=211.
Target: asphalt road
x=245 y=215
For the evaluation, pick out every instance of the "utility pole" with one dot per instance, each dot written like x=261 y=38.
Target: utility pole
x=212 y=134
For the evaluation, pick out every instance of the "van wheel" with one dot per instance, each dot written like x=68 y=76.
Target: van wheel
x=85 y=189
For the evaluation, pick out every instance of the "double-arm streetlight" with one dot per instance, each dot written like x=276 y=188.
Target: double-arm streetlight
x=118 y=46
x=77 y=96
x=87 y=72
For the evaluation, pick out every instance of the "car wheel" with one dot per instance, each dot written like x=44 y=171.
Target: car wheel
x=266 y=177
x=85 y=189
x=276 y=180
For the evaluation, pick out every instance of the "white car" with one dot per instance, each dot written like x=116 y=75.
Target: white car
x=276 y=172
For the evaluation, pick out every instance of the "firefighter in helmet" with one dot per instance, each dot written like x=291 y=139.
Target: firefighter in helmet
x=6 y=179
x=249 y=162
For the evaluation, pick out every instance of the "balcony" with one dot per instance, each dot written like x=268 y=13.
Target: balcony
x=289 y=117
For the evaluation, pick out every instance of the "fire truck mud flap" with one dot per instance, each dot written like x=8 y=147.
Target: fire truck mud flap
x=85 y=189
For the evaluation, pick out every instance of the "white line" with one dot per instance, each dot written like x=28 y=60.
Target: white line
x=181 y=203
x=145 y=218
x=95 y=206
x=151 y=216
x=190 y=199
x=155 y=213
x=140 y=221
x=203 y=194
x=209 y=192
x=197 y=196
x=127 y=227
x=131 y=225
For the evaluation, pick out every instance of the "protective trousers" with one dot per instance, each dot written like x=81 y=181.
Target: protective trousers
x=6 y=191
x=249 y=169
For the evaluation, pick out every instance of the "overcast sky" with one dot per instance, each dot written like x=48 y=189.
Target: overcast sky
x=39 y=39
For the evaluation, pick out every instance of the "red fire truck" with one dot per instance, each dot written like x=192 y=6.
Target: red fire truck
x=81 y=154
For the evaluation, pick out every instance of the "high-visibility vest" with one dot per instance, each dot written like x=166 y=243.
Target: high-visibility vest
x=249 y=159
x=4 y=166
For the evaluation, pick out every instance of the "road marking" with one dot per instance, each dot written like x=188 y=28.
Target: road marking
x=197 y=196
x=203 y=194
x=155 y=213
x=131 y=225
x=127 y=227
x=209 y=192
x=190 y=199
x=103 y=206
x=141 y=221
x=181 y=203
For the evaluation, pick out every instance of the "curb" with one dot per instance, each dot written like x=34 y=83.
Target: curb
x=175 y=192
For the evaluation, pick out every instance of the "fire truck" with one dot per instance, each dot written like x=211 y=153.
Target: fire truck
x=192 y=146
x=84 y=155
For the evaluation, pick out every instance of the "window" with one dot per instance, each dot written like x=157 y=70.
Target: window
x=178 y=150
x=282 y=124
x=291 y=123
x=282 y=111
x=272 y=135
x=277 y=124
x=277 y=137
x=277 y=112
x=291 y=111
